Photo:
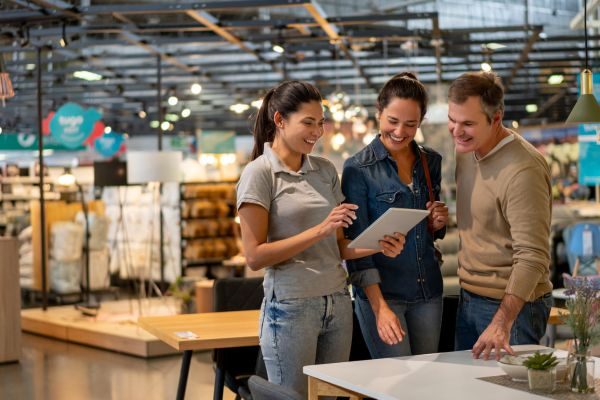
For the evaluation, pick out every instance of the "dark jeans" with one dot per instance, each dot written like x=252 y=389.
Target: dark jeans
x=476 y=312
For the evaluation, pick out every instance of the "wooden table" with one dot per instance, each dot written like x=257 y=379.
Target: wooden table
x=213 y=330
x=450 y=375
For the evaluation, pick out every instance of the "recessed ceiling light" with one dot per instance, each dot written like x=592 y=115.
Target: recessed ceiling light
x=531 y=108
x=173 y=100
x=556 y=79
x=278 y=49
x=186 y=112
x=495 y=46
x=196 y=88
x=239 y=108
x=487 y=67
x=87 y=75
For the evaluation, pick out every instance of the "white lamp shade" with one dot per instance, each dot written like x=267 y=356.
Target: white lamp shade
x=153 y=166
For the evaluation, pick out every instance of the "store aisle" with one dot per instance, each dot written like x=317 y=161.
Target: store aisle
x=55 y=370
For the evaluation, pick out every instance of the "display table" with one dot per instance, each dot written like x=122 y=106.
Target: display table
x=206 y=331
x=450 y=375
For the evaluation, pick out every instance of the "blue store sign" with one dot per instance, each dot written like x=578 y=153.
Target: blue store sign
x=589 y=147
x=72 y=124
x=108 y=144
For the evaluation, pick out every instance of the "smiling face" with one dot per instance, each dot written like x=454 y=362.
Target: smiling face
x=398 y=124
x=300 y=130
x=470 y=128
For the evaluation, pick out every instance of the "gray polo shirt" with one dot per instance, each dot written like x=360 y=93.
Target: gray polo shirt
x=296 y=201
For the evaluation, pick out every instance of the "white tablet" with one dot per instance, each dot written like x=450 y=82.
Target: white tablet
x=393 y=220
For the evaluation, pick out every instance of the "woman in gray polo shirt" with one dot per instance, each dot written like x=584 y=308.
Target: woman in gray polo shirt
x=291 y=220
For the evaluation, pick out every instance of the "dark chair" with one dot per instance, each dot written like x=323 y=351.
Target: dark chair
x=234 y=366
x=264 y=390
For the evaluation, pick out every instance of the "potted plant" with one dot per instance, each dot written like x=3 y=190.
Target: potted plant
x=541 y=371
x=583 y=318
x=182 y=289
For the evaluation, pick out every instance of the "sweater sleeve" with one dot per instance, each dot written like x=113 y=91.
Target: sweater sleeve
x=527 y=208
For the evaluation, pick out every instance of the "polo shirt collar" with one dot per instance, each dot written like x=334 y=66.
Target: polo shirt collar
x=277 y=166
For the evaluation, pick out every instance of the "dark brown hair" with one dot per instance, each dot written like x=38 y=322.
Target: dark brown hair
x=285 y=98
x=485 y=85
x=404 y=85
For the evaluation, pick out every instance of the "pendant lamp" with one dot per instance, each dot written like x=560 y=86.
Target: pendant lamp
x=586 y=109
x=6 y=89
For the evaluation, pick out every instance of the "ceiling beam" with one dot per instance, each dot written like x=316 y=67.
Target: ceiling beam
x=535 y=35
x=332 y=32
x=214 y=25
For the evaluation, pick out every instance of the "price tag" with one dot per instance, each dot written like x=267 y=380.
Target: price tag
x=186 y=335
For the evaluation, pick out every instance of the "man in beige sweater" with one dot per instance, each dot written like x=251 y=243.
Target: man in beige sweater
x=503 y=210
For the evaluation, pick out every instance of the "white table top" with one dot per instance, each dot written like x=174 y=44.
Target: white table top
x=430 y=376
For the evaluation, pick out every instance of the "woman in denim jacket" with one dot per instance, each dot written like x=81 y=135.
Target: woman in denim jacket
x=398 y=300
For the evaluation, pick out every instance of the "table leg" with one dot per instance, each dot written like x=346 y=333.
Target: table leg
x=183 y=374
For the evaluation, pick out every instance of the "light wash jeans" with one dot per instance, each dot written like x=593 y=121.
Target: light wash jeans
x=307 y=331
x=476 y=312
x=421 y=321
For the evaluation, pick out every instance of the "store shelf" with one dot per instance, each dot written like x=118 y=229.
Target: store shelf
x=207 y=223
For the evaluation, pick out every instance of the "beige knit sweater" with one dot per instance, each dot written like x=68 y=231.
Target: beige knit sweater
x=503 y=210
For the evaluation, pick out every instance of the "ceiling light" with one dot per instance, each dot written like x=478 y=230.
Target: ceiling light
x=495 y=46
x=87 y=75
x=6 y=89
x=165 y=125
x=107 y=129
x=277 y=48
x=196 y=88
x=257 y=103
x=515 y=124
x=173 y=100
x=556 y=79
x=586 y=109
x=142 y=114
x=486 y=67
x=30 y=67
x=172 y=117
x=531 y=108
x=239 y=108
x=154 y=124
x=186 y=112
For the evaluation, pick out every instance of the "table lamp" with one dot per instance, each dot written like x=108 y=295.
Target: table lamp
x=154 y=167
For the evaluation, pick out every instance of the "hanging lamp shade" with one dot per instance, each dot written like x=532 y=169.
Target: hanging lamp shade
x=586 y=109
x=6 y=89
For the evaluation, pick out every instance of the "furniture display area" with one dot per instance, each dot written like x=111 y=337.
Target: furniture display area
x=453 y=375
x=10 y=301
x=114 y=327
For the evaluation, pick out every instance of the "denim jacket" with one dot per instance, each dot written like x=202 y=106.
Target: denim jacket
x=370 y=180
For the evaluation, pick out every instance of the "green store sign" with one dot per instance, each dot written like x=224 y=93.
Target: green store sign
x=26 y=141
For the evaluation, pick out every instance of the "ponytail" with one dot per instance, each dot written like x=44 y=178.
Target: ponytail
x=264 y=126
x=285 y=98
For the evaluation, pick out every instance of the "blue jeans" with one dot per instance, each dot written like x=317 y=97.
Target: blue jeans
x=421 y=321
x=306 y=331
x=476 y=312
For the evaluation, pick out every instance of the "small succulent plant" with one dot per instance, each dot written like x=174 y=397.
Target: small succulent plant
x=541 y=361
